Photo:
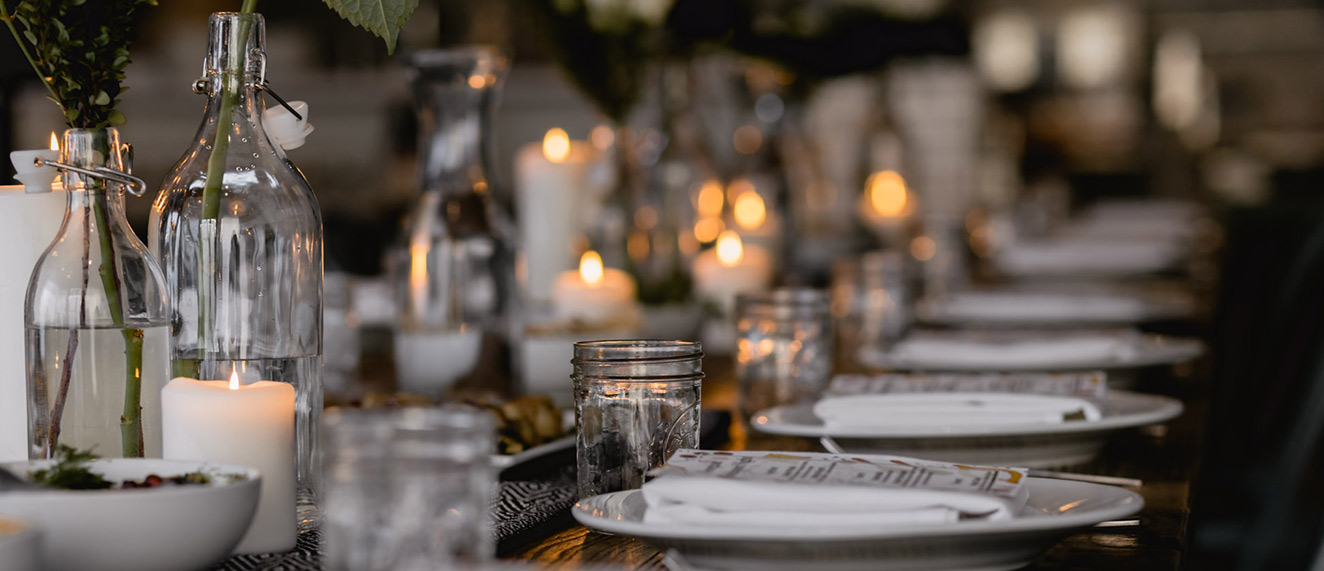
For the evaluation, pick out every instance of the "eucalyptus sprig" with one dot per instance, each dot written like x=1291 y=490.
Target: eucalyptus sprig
x=79 y=49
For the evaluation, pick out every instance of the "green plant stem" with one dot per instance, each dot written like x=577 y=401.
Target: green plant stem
x=131 y=429
x=231 y=83
x=131 y=420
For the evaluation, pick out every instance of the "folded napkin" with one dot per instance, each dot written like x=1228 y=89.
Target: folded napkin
x=989 y=306
x=954 y=410
x=1090 y=257
x=1088 y=384
x=936 y=352
x=817 y=491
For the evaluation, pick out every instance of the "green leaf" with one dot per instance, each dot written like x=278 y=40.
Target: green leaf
x=382 y=18
x=115 y=119
x=102 y=99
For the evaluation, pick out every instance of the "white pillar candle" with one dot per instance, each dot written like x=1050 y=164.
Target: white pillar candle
x=594 y=295
x=549 y=182
x=731 y=268
x=246 y=425
x=28 y=223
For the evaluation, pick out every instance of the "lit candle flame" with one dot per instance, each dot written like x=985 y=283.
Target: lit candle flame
x=556 y=145
x=750 y=211
x=887 y=193
x=55 y=142
x=709 y=201
x=234 y=380
x=729 y=249
x=590 y=268
x=707 y=229
x=419 y=248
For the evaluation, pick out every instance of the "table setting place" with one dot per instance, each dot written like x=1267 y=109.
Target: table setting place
x=684 y=353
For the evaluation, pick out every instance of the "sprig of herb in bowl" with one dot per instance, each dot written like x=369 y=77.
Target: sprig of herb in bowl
x=70 y=471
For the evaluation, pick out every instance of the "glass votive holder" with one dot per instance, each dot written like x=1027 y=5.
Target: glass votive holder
x=783 y=348
x=636 y=402
x=873 y=299
x=407 y=488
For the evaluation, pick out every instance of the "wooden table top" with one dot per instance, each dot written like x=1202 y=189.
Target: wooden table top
x=1164 y=457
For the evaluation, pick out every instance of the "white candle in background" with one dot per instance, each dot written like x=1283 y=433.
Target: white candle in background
x=28 y=223
x=594 y=295
x=731 y=268
x=246 y=425
x=550 y=180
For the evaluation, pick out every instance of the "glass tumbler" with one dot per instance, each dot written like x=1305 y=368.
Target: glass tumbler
x=636 y=402
x=783 y=347
x=872 y=301
x=407 y=489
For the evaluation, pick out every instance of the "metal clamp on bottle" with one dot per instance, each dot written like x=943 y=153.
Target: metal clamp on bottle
x=135 y=185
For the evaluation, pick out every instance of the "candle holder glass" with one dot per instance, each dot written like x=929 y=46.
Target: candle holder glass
x=238 y=234
x=636 y=402
x=96 y=317
x=873 y=301
x=408 y=488
x=454 y=268
x=784 y=347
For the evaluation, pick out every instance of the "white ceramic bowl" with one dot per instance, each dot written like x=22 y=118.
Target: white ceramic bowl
x=170 y=528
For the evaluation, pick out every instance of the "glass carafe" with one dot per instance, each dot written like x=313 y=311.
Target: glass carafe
x=453 y=270
x=238 y=234
x=96 y=319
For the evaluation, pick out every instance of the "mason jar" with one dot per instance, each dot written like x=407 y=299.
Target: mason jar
x=636 y=402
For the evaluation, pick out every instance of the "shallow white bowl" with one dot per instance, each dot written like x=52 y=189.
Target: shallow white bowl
x=170 y=528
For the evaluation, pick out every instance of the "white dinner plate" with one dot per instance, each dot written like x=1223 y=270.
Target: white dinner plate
x=1055 y=509
x=1147 y=351
x=1028 y=445
x=1028 y=308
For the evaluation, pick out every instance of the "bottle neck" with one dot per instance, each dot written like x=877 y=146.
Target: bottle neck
x=450 y=142
x=455 y=92
x=92 y=149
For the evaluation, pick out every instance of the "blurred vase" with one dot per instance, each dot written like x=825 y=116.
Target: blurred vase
x=241 y=249
x=649 y=209
x=453 y=270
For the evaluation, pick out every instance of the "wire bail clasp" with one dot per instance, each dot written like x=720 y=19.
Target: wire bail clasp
x=135 y=185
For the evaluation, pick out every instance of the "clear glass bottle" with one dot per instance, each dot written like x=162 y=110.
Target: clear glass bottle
x=454 y=270
x=242 y=256
x=96 y=319
x=636 y=402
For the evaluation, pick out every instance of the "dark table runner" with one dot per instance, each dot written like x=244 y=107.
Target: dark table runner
x=532 y=501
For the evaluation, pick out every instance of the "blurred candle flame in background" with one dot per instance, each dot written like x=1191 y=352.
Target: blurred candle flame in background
x=729 y=249
x=556 y=145
x=887 y=193
x=590 y=268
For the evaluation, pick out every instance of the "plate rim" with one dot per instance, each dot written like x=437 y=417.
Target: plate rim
x=1152 y=350
x=1126 y=503
x=1165 y=408
x=502 y=461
